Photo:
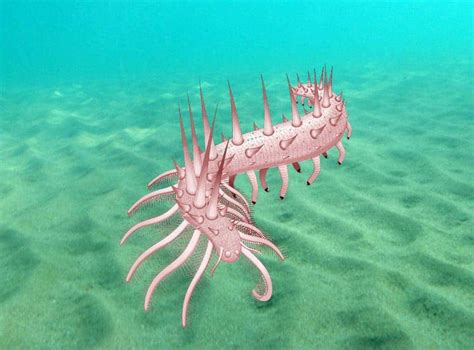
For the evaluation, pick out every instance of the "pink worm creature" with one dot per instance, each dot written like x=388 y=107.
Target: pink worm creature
x=204 y=194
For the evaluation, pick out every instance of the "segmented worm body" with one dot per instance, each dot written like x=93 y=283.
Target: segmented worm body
x=204 y=194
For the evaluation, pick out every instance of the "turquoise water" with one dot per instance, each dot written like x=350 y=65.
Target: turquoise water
x=379 y=251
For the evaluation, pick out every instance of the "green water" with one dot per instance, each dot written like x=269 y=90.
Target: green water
x=379 y=250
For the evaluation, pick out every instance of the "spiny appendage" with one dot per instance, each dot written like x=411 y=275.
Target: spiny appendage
x=317 y=131
x=320 y=94
x=216 y=211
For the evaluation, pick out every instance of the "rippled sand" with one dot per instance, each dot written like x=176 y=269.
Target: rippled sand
x=379 y=250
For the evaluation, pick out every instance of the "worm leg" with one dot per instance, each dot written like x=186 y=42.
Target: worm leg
x=316 y=170
x=262 y=174
x=342 y=152
x=297 y=166
x=349 y=130
x=284 y=178
x=253 y=182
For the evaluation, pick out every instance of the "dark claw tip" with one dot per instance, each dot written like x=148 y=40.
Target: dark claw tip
x=299 y=170
x=348 y=137
x=281 y=197
x=308 y=183
x=266 y=189
x=340 y=163
x=326 y=157
x=254 y=202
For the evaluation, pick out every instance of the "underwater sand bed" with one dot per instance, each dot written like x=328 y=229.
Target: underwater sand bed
x=379 y=250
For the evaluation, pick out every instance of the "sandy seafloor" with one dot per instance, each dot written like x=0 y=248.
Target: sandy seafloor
x=379 y=250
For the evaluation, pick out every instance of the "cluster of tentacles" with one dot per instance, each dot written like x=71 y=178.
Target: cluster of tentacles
x=213 y=209
x=204 y=194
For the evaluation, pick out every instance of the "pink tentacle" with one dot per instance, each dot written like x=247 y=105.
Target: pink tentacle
x=231 y=200
x=149 y=197
x=219 y=258
x=171 y=267
x=153 y=249
x=148 y=222
x=195 y=281
x=252 y=228
x=237 y=214
x=265 y=275
x=284 y=178
x=264 y=241
x=349 y=130
x=162 y=176
x=251 y=249
x=238 y=194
